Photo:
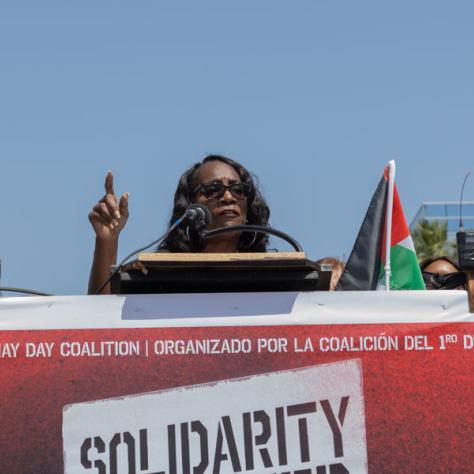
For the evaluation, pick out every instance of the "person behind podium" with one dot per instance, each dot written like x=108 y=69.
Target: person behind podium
x=223 y=185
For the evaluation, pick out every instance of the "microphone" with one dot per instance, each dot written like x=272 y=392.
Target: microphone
x=197 y=216
x=259 y=229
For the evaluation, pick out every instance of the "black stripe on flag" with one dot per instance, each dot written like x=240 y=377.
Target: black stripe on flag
x=363 y=267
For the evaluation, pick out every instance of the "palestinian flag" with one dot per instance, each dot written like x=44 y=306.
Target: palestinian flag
x=365 y=267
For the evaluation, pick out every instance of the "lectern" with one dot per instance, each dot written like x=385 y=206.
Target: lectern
x=220 y=272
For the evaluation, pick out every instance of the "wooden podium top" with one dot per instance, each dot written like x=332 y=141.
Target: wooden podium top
x=238 y=260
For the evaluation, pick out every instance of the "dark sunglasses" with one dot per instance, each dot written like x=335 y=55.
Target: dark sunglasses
x=449 y=281
x=240 y=191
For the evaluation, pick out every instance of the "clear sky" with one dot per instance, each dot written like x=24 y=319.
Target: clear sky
x=313 y=96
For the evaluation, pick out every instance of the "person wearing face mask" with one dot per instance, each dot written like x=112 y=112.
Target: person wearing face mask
x=221 y=184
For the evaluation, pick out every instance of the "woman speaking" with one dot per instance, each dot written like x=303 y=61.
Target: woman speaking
x=221 y=184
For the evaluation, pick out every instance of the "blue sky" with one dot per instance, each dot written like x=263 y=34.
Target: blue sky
x=313 y=96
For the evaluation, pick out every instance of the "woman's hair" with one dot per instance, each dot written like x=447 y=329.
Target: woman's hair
x=186 y=239
x=428 y=261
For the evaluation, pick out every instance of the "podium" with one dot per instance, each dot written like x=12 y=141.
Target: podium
x=220 y=273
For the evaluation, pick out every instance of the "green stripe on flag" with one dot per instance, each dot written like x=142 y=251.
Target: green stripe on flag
x=406 y=273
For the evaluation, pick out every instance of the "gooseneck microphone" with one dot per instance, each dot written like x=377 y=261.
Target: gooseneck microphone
x=196 y=216
x=259 y=229
x=199 y=217
x=461 y=224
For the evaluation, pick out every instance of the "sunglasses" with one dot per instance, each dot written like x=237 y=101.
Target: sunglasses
x=240 y=191
x=448 y=281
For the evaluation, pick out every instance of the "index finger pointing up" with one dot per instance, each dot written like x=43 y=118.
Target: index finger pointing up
x=109 y=183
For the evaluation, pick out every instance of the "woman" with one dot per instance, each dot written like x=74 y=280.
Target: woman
x=220 y=183
x=442 y=273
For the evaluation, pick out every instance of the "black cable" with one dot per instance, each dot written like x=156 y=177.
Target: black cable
x=207 y=234
x=461 y=225
x=155 y=242
x=24 y=290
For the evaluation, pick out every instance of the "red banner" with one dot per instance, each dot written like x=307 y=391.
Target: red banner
x=279 y=398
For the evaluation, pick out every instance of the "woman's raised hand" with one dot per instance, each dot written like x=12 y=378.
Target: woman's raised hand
x=109 y=216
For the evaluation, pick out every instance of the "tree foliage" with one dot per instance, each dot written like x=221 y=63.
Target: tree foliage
x=431 y=240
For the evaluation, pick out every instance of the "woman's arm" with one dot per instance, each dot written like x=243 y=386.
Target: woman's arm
x=108 y=217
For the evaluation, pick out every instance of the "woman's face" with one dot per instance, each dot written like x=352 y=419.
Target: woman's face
x=228 y=206
x=440 y=268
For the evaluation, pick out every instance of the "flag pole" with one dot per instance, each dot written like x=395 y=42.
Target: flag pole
x=388 y=222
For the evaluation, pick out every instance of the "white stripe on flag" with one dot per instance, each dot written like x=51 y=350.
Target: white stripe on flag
x=407 y=242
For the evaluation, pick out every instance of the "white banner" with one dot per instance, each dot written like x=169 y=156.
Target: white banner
x=275 y=422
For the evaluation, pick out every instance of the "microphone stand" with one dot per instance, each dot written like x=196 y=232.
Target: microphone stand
x=196 y=213
x=155 y=242
x=207 y=234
